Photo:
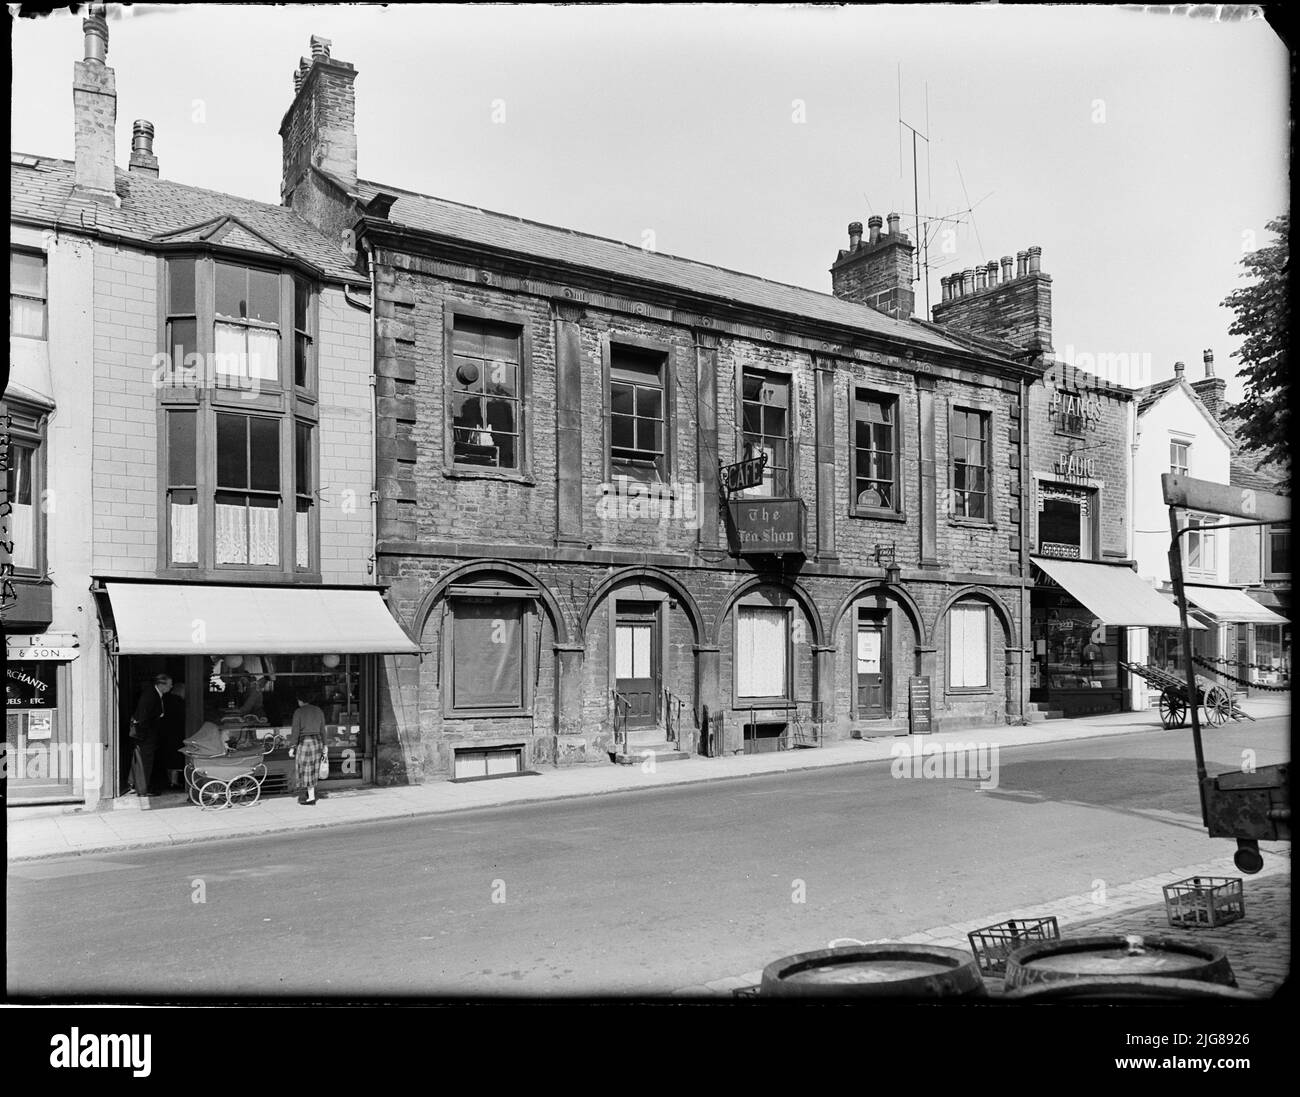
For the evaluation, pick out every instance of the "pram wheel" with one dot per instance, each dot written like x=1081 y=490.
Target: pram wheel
x=244 y=791
x=214 y=794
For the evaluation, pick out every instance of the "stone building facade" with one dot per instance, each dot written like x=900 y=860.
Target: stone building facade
x=553 y=413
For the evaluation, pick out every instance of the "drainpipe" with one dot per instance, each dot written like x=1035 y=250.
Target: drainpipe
x=1026 y=491
x=372 y=565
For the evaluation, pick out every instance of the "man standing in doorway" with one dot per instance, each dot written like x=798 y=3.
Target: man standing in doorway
x=146 y=732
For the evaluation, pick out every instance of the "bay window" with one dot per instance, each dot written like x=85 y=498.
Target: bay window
x=237 y=440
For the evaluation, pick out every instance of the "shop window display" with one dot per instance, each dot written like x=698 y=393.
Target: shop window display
x=252 y=698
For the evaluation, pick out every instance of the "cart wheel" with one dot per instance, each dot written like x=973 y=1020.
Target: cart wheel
x=215 y=794
x=1173 y=710
x=244 y=791
x=1218 y=707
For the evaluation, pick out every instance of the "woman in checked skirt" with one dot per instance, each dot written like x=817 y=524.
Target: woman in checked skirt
x=306 y=745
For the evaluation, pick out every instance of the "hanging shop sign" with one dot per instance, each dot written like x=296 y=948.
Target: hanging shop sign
x=772 y=526
x=743 y=474
x=31 y=685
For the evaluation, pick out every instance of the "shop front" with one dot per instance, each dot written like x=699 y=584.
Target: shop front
x=243 y=658
x=1247 y=637
x=44 y=762
x=1079 y=616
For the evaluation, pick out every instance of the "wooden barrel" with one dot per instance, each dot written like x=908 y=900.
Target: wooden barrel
x=1117 y=956
x=1136 y=988
x=886 y=971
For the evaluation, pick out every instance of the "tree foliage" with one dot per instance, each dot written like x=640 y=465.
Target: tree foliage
x=1263 y=418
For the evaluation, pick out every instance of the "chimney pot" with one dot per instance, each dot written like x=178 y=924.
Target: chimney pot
x=142 y=136
x=320 y=48
x=1035 y=259
x=95 y=28
x=1007 y=261
x=873 y=227
x=855 y=235
x=968 y=281
x=992 y=267
x=1208 y=358
x=1179 y=368
x=981 y=278
x=893 y=224
x=1022 y=263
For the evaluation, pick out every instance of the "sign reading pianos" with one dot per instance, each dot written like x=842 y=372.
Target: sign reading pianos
x=771 y=526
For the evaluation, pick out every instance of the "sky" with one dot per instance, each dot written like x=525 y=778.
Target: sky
x=1143 y=151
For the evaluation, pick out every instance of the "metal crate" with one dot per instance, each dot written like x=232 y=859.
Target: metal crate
x=1203 y=902
x=993 y=944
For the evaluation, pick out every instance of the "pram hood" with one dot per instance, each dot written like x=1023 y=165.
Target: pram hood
x=207 y=742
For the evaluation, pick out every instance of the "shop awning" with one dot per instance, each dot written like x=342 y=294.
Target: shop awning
x=1232 y=606
x=180 y=619
x=1117 y=595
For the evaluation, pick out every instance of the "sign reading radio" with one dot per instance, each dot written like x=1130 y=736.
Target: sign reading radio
x=766 y=525
x=1074 y=466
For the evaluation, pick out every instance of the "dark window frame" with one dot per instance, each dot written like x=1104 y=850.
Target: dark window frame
x=529 y=643
x=27 y=426
x=898 y=512
x=503 y=317
x=645 y=349
x=786 y=380
x=988 y=418
x=1269 y=571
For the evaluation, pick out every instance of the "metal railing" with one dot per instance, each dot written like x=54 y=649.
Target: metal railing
x=796 y=733
x=622 y=706
x=673 y=708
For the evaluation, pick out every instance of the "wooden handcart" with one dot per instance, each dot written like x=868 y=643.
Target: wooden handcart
x=1218 y=704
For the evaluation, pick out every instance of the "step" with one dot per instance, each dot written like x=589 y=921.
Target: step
x=662 y=751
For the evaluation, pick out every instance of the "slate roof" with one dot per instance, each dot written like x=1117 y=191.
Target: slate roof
x=1248 y=471
x=478 y=226
x=1152 y=393
x=153 y=209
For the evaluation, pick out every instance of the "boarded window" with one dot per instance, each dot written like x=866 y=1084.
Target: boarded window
x=762 y=652
x=487 y=654
x=968 y=647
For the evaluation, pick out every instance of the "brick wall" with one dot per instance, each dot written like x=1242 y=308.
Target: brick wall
x=344 y=441
x=125 y=459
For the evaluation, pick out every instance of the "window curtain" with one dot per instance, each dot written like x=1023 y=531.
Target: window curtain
x=27 y=317
x=263 y=535
x=185 y=533
x=232 y=534
x=761 y=651
x=302 y=537
x=22 y=531
x=968 y=646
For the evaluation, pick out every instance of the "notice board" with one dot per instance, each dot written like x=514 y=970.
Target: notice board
x=919 y=719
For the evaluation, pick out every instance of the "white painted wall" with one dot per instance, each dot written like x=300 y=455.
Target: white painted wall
x=1176 y=415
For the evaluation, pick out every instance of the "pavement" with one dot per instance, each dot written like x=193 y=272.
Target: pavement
x=1258 y=945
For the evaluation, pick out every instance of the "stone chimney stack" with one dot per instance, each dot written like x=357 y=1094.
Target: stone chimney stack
x=94 y=109
x=1015 y=309
x=876 y=272
x=319 y=129
x=143 y=161
x=1211 y=389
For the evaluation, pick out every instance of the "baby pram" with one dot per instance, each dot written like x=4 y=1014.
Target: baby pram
x=217 y=777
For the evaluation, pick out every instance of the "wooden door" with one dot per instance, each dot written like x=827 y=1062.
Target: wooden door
x=636 y=660
x=871 y=653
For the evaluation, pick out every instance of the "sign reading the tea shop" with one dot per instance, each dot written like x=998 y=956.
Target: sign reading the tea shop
x=767 y=526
